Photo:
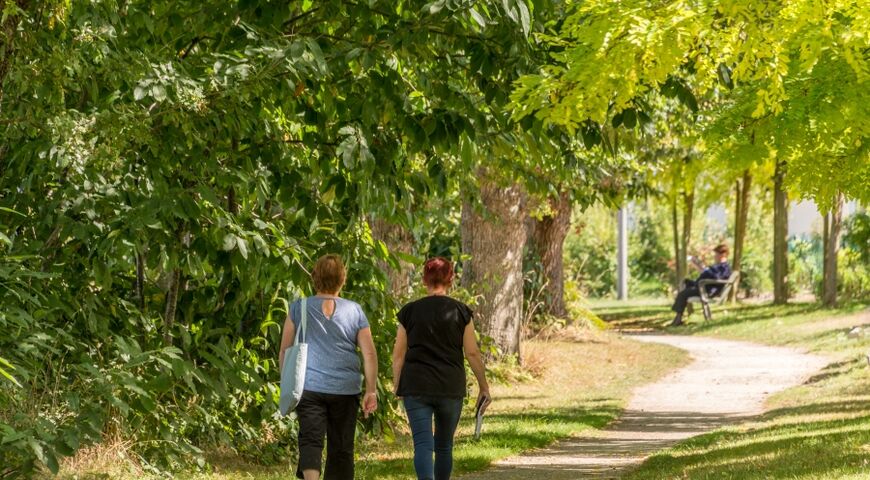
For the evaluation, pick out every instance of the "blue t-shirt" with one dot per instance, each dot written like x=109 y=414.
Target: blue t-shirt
x=333 y=364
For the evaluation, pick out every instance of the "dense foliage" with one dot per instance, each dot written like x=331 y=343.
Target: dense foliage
x=170 y=169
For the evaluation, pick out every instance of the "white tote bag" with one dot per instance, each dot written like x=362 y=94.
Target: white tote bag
x=295 y=361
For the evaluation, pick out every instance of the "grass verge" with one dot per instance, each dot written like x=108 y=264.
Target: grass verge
x=819 y=430
x=584 y=383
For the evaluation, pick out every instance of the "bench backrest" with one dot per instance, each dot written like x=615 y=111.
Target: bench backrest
x=726 y=289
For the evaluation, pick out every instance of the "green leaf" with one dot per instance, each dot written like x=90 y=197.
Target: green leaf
x=724 y=74
x=9 y=210
x=230 y=241
x=243 y=247
x=51 y=462
x=434 y=7
x=37 y=450
x=6 y=374
x=629 y=118
x=524 y=17
x=329 y=196
x=158 y=92
x=478 y=17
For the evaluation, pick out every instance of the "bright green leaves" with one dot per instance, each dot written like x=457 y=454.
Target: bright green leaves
x=755 y=64
x=5 y=371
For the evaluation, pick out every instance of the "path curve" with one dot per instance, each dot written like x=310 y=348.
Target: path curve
x=727 y=381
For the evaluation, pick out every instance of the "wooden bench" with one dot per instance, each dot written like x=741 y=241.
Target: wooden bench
x=706 y=300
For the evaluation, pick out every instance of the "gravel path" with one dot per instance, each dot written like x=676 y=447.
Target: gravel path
x=727 y=382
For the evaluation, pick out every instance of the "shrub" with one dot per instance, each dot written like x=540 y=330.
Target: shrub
x=853 y=282
x=648 y=255
x=590 y=252
x=856 y=235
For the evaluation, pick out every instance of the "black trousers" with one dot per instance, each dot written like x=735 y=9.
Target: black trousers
x=334 y=416
x=690 y=289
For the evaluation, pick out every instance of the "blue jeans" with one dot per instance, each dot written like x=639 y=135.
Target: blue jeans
x=446 y=411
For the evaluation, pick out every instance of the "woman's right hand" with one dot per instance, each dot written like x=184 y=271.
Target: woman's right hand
x=370 y=403
x=483 y=399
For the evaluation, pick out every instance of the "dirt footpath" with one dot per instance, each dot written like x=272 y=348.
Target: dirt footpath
x=727 y=382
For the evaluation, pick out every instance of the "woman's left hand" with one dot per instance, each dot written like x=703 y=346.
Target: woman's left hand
x=370 y=403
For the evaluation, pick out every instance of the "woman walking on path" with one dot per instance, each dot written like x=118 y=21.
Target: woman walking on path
x=429 y=371
x=330 y=401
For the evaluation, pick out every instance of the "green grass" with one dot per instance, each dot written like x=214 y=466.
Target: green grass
x=819 y=430
x=583 y=384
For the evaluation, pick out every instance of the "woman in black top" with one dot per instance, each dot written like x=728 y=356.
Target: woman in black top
x=429 y=371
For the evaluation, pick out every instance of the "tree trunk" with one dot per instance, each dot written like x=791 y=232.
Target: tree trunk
x=397 y=239
x=495 y=239
x=688 y=211
x=679 y=257
x=140 y=280
x=9 y=32
x=170 y=306
x=833 y=227
x=780 y=236
x=549 y=238
x=741 y=215
x=232 y=204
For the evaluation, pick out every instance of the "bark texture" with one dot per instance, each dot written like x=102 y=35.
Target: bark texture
x=170 y=305
x=833 y=229
x=679 y=257
x=494 y=237
x=10 y=35
x=397 y=239
x=780 y=236
x=686 y=237
x=548 y=240
x=741 y=214
x=140 y=280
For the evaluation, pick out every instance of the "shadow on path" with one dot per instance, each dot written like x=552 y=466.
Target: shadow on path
x=726 y=383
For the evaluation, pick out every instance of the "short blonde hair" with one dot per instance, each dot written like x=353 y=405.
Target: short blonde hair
x=328 y=274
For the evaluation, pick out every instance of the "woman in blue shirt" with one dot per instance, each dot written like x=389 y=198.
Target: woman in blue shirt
x=330 y=401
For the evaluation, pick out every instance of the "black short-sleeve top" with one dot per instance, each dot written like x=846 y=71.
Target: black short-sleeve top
x=434 y=363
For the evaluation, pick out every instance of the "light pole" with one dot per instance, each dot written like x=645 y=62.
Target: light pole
x=622 y=253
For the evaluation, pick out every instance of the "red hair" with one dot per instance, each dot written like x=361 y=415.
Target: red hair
x=437 y=272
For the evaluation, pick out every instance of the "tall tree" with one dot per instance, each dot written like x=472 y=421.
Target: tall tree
x=833 y=224
x=494 y=234
x=742 y=190
x=780 y=236
x=548 y=240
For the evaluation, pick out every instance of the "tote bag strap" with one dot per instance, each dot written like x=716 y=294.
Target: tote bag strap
x=303 y=323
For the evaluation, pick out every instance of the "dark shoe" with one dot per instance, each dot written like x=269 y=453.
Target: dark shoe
x=678 y=320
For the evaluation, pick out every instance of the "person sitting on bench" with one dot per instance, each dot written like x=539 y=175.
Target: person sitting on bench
x=720 y=270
